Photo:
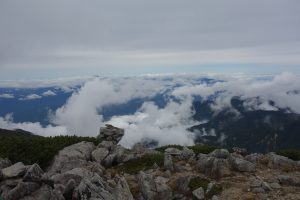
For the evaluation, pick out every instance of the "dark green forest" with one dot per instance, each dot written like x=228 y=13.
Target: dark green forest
x=25 y=147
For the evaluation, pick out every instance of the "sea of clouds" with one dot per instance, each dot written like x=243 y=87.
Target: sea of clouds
x=81 y=114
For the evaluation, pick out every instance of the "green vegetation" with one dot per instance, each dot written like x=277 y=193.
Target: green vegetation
x=163 y=148
x=143 y=163
x=31 y=149
x=215 y=190
x=290 y=153
x=197 y=182
x=205 y=149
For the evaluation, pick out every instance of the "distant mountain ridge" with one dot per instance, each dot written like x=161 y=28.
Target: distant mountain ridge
x=16 y=133
x=255 y=130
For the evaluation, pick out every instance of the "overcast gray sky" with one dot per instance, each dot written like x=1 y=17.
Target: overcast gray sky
x=46 y=39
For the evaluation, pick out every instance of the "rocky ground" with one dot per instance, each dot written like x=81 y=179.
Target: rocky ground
x=84 y=171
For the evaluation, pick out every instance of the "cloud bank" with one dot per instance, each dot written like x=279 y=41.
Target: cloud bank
x=82 y=113
x=7 y=96
x=31 y=97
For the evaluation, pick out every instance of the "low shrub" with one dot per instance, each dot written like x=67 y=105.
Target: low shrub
x=163 y=148
x=205 y=149
x=290 y=153
x=197 y=182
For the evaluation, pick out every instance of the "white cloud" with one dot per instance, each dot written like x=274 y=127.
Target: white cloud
x=7 y=96
x=80 y=113
x=31 y=97
x=66 y=84
x=166 y=125
x=49 y=93
x=274 y=89
x=36 y=128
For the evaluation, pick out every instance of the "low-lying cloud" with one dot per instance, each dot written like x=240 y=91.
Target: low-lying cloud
x=82 y=113
x=34 y=127
x=7 y=96
x=31 y=97
x=49 y=93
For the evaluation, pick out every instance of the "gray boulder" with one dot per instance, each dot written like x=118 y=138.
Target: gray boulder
x=242 y=165
x=44 y=193
x=162 y=189
x=182 y=183
x=122 y=191
x=69 y=188
x=111 y=133
x=95 y=168
x=106 y=144
x=213 y=166
x=290 y=181
x=280 y=162
x=33 y=173
x=220 y=153
x=116 y=156
x=253 y=157
x=21 y=190
x=199 y=193
x=93 y=188
x=147 y=186
x=76 y=174
x=154 y=188
x=168 y=163
x=4 y=162
x=187 y=153
x=18 y=169
x=99 y=154
x=74 y=156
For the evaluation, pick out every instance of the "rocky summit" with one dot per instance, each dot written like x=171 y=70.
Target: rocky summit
x=108 y=171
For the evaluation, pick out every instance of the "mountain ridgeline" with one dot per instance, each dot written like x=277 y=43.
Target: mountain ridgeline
x=255 y=130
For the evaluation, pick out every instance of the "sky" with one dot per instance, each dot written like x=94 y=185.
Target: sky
x=62 y=38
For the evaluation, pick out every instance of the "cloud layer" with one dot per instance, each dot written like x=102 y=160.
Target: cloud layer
x=82 y=113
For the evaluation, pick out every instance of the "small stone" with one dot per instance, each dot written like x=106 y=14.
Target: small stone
x=255 y=183
x=285 y=180
x=266 y=186
x=199 y=193
x=258 y=190
x=209 y=187
x=275 y=185
x=215 y=197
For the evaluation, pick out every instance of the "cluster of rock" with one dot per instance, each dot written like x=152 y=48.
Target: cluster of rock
x=84 y=171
